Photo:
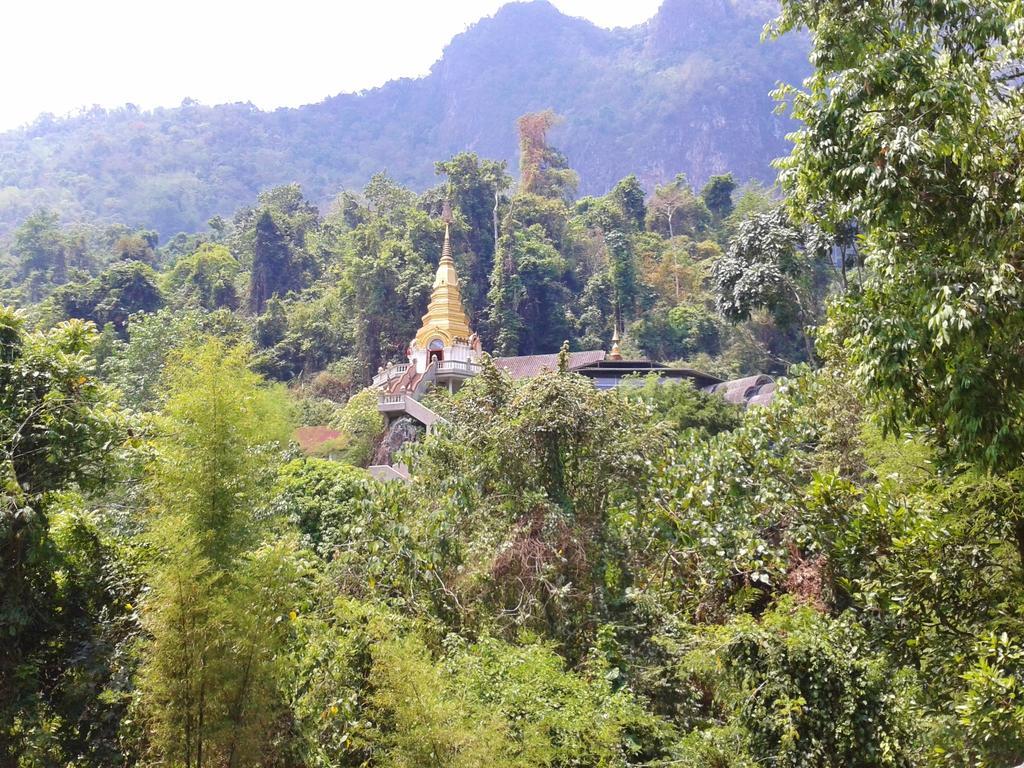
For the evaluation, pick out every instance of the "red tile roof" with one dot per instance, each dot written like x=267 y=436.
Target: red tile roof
x=311 y=438
x=527 y=366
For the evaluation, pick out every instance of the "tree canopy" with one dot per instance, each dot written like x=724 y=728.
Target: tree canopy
x=571 y=576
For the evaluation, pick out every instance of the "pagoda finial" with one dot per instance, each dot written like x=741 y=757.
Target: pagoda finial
x=446 y=318
x=616 y=353
x=446 y=217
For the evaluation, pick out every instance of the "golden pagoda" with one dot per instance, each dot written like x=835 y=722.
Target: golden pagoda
x=444 y=348
x=446 y=321
x=616 y=353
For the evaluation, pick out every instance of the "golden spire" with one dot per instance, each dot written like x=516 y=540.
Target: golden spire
x=616 y=353
x=445 y=318
x=446 y=217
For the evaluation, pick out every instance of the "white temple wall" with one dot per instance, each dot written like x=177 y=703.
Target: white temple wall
x=419 y=359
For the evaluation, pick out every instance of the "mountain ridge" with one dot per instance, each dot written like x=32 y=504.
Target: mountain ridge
x=686 y=91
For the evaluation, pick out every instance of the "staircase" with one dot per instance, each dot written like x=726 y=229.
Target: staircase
x=387 y=473
x=396 y=405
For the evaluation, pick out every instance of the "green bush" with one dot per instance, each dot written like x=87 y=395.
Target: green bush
x=362 y=425
x=322 y=499
x=805 y=690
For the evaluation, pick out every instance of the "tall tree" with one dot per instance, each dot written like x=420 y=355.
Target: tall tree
x=294 y=224
x=272 y=268
x=717 y=195
x=205 y=278
x=543 y=170
x=386 y=284
x=623 y=271
x=629 y=196
x=388 y=199
x=137 y=246
x=776 y=265
x=60 y=430
x=216 y=596
x=476 y=189
x=39 y=248
x=676 y=210
x=912 y=129
x=527 y=300
x=111 y=297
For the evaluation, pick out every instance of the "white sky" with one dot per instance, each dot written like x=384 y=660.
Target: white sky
x=60 y=55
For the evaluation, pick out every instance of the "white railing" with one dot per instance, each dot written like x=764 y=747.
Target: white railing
x=460 y=366
x=409 y=405
x=390 y=374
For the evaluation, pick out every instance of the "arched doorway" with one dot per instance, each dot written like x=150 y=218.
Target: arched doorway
x=435 y=351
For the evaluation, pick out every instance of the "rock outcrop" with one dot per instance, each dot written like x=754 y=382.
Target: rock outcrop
x=401 y=431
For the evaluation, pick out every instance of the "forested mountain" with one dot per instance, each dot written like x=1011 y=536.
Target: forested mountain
x=686 y=91
x=647 y=576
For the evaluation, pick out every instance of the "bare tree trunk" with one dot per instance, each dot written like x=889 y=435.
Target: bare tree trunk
x=494 y=216
x=842 y=262
x=202 y=714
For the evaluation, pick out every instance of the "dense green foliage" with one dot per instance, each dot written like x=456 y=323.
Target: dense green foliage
x=210 y=675
x=62 y=612
x=537 y=268
x=645 y=576
x=573 y=577
x=913 y=130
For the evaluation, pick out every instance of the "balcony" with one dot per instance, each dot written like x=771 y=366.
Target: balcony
x=457 y=368
x=393 y=406
x=392 y=403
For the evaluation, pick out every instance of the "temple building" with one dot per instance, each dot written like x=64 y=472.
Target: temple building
x=446 y=352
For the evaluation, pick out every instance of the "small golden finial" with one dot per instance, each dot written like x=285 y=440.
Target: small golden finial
x=616 y=353
x=446 y=217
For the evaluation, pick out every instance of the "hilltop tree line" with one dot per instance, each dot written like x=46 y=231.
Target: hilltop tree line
x=538 y=267
x=647 y=576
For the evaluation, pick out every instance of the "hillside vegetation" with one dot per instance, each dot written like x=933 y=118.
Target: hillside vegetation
x=646 y=576
x=685 y=92
x=538 y=266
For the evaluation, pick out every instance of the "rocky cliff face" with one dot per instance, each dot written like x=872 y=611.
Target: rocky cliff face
x=402 y=431
x=687 y=91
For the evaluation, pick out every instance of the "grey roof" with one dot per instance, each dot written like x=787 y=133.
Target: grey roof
x=527 y=366
x=750 y=390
